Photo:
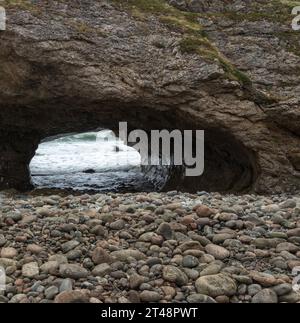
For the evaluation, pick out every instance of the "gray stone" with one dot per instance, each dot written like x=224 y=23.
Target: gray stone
x=50 y=267
x=135 y=281
x=254 y=289
x=6 y=262
x=287 y=246
x=18 y=298
x=67 y=246
x=117 y=225
x=66 y=285
x=282 y=289
x=75 y=296
x=200 y=298
x=216 y=285
x=100 y=256
x=51 y=292
x=8 y=253
x=292 y=297
x=149 y=296
x=126 y=254
x=288 y=204
x=101 y=270
x=72 y=271
x=2 y=240
x=190 y=261
x=212 y=269
x=30 y=270
x=174 y=275
x=265 y=296
x=217 y=251
x=59 y=258
x=165 y=230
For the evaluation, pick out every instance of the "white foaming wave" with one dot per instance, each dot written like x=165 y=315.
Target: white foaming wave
x=80 y=153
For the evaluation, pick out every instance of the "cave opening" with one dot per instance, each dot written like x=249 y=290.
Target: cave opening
x=94 y=161
x=98 y=161
x=229 y=165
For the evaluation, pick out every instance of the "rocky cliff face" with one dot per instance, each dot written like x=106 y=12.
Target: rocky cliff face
x=230 y=69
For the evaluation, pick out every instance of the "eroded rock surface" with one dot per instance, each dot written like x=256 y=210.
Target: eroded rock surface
x=230 y=68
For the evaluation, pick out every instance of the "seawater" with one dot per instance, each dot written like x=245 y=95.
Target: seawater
x=96 y=161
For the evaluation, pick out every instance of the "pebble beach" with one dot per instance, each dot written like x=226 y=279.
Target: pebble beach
x=149 y=247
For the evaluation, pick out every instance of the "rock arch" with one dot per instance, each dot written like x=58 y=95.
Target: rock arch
x=73 y=68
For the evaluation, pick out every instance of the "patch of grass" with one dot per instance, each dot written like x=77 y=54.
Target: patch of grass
x=288 y=3
x=28 y=5
x=203 y=47
x=153 y=6
x=81 y=27
x=181 y=24
x=237 y=74
x=272 y=11
x=23 y=4
x=192 y=45
x=194 y=40
x=174 y=18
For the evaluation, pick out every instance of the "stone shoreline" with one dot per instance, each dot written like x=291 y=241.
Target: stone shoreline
x=149 y=247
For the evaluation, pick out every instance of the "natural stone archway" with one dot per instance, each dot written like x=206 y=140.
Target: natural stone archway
x=74 y=66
